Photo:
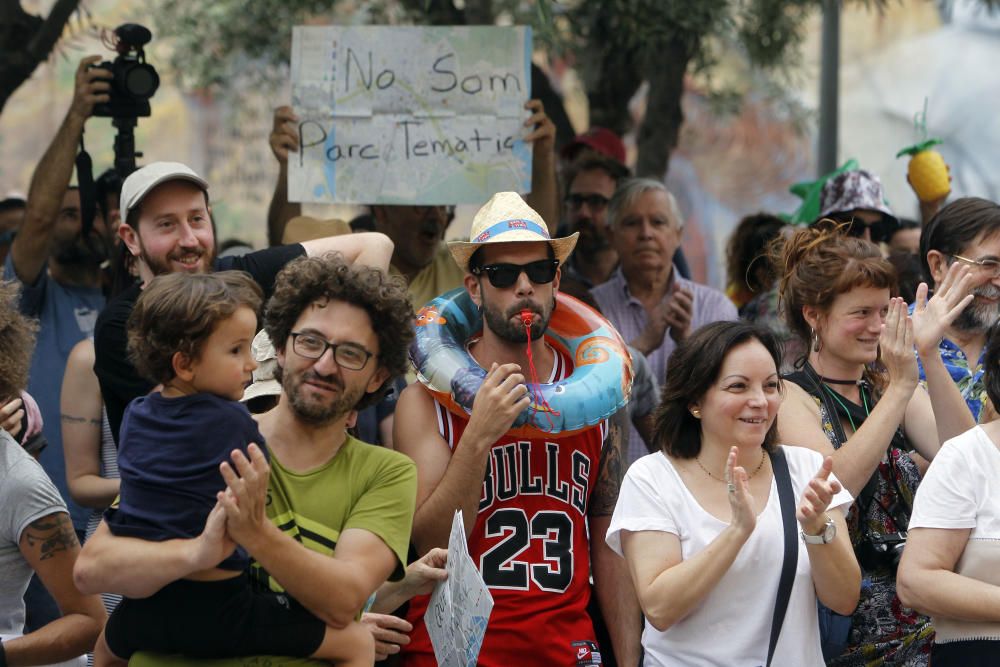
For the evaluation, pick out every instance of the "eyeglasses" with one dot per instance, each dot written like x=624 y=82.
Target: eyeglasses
x=594 y=201
x=351 y=356
x=501 y=276
x=990 y=266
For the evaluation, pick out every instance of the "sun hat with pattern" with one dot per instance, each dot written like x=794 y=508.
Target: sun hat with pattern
x=506 y=218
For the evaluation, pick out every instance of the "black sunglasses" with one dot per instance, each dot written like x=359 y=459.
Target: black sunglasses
x=504 y=275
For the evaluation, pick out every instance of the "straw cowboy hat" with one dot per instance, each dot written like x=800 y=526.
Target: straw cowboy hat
x=506 y=218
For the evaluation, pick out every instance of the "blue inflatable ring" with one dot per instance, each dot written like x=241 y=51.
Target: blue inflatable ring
x=599 y=386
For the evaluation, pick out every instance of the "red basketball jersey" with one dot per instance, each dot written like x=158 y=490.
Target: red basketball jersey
x=532 y=547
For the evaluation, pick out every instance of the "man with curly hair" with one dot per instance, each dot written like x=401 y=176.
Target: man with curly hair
x=328 y=521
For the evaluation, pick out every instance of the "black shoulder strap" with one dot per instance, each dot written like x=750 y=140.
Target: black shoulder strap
x=786 y=499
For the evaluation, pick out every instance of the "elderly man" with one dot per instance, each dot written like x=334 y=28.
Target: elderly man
x=333 y=520
x=967 y=231
x=510 y=268
x=652 y=306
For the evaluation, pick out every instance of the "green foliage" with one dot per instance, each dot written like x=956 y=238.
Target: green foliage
x=218 y=41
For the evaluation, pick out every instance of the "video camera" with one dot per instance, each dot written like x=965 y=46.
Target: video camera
x=133 y=80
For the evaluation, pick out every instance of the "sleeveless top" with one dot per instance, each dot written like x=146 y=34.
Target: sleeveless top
x=883 y=631
x=532 y=546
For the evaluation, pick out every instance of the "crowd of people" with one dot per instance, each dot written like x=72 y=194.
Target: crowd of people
x=211 y=456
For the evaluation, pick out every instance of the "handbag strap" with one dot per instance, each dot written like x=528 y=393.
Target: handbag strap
x=789 y=562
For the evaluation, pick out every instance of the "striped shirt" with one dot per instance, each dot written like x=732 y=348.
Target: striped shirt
x=629 y=317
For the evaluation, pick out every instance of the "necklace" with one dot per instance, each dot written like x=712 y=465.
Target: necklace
x=763 y=455
x=844 y=382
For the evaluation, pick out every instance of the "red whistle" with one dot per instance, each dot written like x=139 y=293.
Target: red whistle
x=526 y=317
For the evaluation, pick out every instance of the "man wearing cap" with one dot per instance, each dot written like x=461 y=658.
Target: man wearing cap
x=167 y=227
x=856 y=199
x=966 y=231
x=536 y=540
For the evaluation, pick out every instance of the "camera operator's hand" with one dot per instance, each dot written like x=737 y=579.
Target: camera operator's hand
x=283 y=136
x=92 y=87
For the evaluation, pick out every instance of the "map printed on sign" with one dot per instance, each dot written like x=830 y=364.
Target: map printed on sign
x=409 y=115
x=460 y=606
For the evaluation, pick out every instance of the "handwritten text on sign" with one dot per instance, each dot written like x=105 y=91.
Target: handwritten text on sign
x=414 y=115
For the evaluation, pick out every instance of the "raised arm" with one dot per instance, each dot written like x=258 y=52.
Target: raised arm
x=50 y=547
x=368 y=248
x=453 y=480
x=282 y=140
x=33 y=243
x=544 y=195
x=942 y=402
x=612 y=584
x=80 y=414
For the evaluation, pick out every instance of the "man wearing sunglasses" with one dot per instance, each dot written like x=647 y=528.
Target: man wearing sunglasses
x=966 y=231
x=856 y=200
x=536 y=508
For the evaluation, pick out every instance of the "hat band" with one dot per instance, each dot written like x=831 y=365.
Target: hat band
x=515 y=225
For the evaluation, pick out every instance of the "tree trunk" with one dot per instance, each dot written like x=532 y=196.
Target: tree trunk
x=611 y=78
x=26 y=41
x=661 y=125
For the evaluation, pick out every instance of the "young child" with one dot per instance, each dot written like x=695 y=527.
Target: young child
x=192 y=334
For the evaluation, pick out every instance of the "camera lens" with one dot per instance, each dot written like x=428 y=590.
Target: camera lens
x=140 y=80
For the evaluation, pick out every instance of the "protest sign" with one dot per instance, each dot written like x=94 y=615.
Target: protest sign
x=460 y=606
x=409 y=115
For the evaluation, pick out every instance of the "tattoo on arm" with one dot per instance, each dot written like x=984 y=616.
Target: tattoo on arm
x=72 y=419
x=52 y=535
x=609 y=478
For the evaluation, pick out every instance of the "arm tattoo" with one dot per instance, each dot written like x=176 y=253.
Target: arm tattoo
x=52 y=535
x=72 y=419
x=609 y=478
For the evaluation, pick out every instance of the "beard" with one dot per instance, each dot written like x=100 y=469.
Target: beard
x=162 y=267
x=979 y=318
x=500 y=322
x=81 y=252
x=312 y=410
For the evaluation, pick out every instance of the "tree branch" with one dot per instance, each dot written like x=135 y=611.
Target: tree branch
x=41 y=43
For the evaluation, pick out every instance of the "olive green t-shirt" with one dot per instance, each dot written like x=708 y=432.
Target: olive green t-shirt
x=363 y=486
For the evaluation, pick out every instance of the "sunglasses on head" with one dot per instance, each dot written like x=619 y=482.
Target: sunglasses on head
x=504 y=275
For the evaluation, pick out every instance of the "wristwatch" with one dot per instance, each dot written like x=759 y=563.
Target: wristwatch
x=826 y=535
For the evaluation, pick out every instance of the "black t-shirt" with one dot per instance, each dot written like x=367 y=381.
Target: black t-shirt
x=120 y=383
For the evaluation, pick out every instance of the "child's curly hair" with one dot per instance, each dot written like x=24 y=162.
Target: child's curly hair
x=177 y=312
x=17 y=342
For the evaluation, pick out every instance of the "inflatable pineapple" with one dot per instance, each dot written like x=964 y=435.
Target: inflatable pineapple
x=927 y=171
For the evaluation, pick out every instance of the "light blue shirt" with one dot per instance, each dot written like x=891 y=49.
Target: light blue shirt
x=66 y=315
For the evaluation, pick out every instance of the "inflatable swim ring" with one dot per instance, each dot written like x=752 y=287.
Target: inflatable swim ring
x=599 y=386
